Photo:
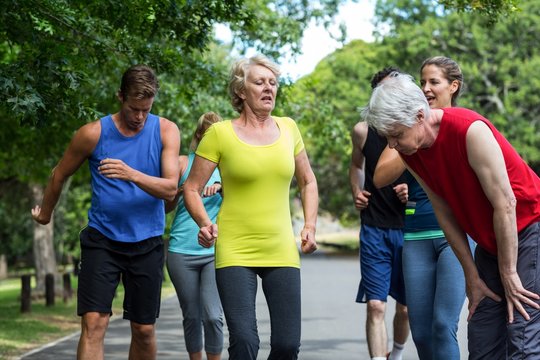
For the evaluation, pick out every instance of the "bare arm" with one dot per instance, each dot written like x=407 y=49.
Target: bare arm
x=201 y=170
x=163 y=187
x=182 y=164
x=389 y=168
x=357 y=167
x=486 y=159
x=310 y=201
x=81 y=146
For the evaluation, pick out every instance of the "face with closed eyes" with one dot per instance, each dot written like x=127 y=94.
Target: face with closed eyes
x=437 y=88
x=406 y=140
x=260 y=89
x=135 y=111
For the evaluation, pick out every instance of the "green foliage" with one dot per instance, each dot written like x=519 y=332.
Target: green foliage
x=391 y=14
x=61 y=63
x=493 y=9
x=326 y=106
x=16 y=228
x=497 y=66
x=63 y=57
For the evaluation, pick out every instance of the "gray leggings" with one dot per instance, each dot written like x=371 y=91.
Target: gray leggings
x=281 y=286
x=194 y=279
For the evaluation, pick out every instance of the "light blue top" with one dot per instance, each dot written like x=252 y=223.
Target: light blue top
x=184 y=229
x=121 y=210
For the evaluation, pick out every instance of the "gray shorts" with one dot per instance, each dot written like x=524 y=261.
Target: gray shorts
x=490 y=336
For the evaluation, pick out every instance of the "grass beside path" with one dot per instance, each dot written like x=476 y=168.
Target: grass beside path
x=20 y=333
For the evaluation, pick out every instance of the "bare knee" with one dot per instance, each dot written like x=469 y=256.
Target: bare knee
x=94 y=325
x=375 y=310
x=401 y=311
x=143 y=333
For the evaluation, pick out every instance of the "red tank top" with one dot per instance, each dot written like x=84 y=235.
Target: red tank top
x=445 y=168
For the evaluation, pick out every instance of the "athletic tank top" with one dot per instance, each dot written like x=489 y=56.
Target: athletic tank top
x=120 y=209
x=445 y=168
x=419 y=215
x=385 y=210
x=184 y=230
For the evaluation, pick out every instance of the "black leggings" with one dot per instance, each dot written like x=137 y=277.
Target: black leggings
x=238 y=289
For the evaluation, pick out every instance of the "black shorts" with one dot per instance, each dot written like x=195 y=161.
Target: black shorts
x=104 y=262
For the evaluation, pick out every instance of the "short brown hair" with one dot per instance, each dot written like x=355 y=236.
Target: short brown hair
x=139 y=82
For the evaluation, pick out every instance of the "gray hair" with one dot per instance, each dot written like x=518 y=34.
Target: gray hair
x=237 y=79
x=396 y=100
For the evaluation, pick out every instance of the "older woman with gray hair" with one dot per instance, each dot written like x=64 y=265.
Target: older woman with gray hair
x=478 y=185
x=257 y=155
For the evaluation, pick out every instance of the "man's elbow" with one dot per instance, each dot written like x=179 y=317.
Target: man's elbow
x=170 y=192
x=169 y=195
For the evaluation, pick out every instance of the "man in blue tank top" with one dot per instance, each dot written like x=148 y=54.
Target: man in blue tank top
x=133 y=160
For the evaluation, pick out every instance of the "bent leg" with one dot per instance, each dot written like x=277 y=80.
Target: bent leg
x=212 y=312
x=184 y=273
x=237 y=288
x=377 y=337
x=449 y=299
x=487 y=332
x=143 y=342
x=93 y=328
x=524 y=335
x=419 y=272
x=281 y=288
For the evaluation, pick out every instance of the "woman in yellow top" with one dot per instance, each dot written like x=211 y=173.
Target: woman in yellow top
x=257 y=155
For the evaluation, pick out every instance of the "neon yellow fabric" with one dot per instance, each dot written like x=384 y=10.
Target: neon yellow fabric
x=254 y=222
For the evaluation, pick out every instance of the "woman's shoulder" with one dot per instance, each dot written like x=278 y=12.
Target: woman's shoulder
x=286 y=121
x=222 y=124
x=219 y=127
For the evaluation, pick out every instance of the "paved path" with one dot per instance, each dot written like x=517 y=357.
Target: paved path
x=332 y=326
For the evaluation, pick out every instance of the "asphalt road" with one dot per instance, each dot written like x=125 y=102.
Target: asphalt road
x=332 y=326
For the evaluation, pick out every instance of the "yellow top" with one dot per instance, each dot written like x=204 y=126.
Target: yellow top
x=254 y=222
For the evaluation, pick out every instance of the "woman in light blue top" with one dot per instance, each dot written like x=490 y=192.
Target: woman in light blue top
x=191 y=266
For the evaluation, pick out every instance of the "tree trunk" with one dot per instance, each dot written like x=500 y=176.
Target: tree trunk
x=44 y=256
x=3 y=267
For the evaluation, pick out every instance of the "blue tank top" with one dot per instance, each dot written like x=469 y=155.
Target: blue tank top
x=184 y=230
x=120 y=209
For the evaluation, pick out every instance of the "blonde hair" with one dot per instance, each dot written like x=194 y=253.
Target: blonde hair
x=204 y=122
x=237 y=79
